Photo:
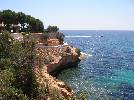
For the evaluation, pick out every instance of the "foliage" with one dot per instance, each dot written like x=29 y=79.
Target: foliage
x=23 y=57
x=48 y=60
x=5 y=44
x=52 y=29
x=7 y=90
x=27 y=23
x=78 y=51
x=17 y=78
x=43 y=91
x=61 y=37
x=45 y=35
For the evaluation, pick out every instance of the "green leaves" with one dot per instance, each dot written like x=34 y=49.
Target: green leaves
x=44 y=36
x=78 y=51
x=6 y=77
x=17 y=77
x=61 y=37
x=6 y=41
x=52 y=29
x=7 y=90
x=27 y=23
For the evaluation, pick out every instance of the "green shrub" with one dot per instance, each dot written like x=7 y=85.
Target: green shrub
x=11 y=93
x=23 y=57
x=18 y=56
x=45 y=35
x=5 y=63
x=52 y=29
x=7 y=90
x=17 y=77
x=6 y=42
x=78 y=51
x=61 y=37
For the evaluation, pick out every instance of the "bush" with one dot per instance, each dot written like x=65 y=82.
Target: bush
x=52 y=29
x=17 y=77
x=61 y=37
x=7 y=90
x=18 y=56
x=5 y=63
x=6 y=42
x=78 y=51
x=45 y=35
x=23 y=57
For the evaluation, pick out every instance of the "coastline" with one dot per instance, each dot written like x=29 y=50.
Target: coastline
x=63 y=67
x=49 y=71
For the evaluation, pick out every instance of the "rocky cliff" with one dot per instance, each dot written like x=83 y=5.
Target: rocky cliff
x=64 y=58
x=63 y=62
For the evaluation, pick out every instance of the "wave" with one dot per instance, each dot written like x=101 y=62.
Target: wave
x=84 y=55
x=89 y=55
x=78 y=36
x=65 y=43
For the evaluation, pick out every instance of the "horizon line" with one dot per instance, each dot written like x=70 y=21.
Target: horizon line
x=94 y=30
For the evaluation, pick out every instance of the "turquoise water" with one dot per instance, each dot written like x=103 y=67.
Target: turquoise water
x=109 y=73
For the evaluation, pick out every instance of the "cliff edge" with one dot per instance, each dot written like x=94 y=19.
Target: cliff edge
x=61 y=58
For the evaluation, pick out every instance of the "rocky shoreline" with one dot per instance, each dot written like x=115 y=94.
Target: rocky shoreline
x=53 y=57
x=31 y=54
x=49 y=71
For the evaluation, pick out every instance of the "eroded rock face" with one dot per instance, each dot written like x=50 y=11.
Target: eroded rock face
x=53 y=42
x=63 y=62
x=55 y=86
x=60 y=61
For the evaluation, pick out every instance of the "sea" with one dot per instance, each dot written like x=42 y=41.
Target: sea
x=107 y=72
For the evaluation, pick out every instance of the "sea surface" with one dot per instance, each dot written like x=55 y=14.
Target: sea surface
x=107 y=73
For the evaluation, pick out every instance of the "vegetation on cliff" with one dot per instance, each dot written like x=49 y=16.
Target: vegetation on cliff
x=52 y=29
x=17 y=71
x=17 y=60
x=26 y=23
x=19 y=22
x=17 y=80
x=78 y=51
x=17 y=76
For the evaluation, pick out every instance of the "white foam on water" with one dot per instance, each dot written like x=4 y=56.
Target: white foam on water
x=85 y=55
x=65 y=43
x=78 y=36
x=89 y=55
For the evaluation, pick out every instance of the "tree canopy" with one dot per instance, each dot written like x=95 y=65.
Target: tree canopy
x=27 y=23
x=52 y=29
